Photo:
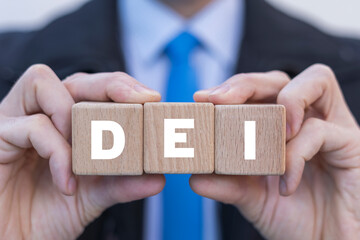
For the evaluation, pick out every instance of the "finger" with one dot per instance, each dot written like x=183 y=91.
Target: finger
x=40 y=90
x=315 y=136
x=103 y=192
x=316 y=87
x=203 y=95
x=248 y=193
x=117 y=87
x=37 y=131
x=241 y=88
x=115 y=189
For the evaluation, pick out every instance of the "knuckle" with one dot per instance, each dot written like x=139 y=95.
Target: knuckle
x=79 y=74
x=39 y=69
x=239 y=77
x=120 y=76
x=39 y=121
x=324 y=70
x=74 y=76
x=70 y=83
x=283 y=76
x=314 y=124
x=37 y=73
x=120 y=79
x=242 y=78
x=284 y=96
x=122 y=92
x=325 y=76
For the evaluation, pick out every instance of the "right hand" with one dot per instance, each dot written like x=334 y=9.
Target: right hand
x=40 y=198
x=318 y=196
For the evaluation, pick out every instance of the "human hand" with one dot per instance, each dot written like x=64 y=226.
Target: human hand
x=40 y=198
x=319 y=195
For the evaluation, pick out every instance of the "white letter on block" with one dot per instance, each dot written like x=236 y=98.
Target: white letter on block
x=171 y=137
x=97 y=151
x=250 y=140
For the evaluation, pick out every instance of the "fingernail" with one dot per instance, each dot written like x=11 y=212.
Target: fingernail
x=72 y=185
x=288 y=130
x=283 y=187
x=221 y=90
x=144 y=90
x=203 y=91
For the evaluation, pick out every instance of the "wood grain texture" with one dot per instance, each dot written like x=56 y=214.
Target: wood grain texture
x=270 y=139
x=129 y=116
x=201 y=137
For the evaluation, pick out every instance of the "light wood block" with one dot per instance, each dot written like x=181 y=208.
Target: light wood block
x=267 y=157
x=130 y=118
x=200 y=138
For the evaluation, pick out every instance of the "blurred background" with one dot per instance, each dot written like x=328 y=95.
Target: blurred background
x=333 y=16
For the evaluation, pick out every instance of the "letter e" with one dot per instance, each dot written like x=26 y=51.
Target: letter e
x=171 y=138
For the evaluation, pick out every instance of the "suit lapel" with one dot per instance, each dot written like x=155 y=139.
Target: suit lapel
x=66 y=48
x=265 y=46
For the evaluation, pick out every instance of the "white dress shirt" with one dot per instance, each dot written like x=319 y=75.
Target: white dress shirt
x=147 y=27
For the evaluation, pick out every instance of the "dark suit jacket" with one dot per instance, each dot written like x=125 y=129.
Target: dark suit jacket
x=88 y=41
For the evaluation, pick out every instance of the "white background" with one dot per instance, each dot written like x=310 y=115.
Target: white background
x=340 y=17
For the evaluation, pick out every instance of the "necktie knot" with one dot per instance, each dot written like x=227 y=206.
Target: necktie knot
x=180 y=48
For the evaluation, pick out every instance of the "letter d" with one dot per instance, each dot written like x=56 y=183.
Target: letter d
x=97 y=151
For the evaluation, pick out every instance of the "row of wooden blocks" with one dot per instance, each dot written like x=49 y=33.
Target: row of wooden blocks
x=156 y=138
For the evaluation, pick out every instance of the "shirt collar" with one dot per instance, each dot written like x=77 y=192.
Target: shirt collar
x=151 y=25
x=224 y=18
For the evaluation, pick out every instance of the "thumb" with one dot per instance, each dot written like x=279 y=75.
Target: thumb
x=99 y=193
x=247 y=193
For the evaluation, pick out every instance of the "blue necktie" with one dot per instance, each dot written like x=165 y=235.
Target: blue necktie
x=182 y=212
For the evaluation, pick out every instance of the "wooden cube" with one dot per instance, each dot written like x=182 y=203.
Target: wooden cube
x=250 y=139
x=107 y=139
x=179 y=138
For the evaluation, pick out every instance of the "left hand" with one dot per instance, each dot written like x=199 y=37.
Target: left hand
x=319 y=195
x=40 y=198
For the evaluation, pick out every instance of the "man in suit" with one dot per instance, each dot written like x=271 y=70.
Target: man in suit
x=92 y=47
